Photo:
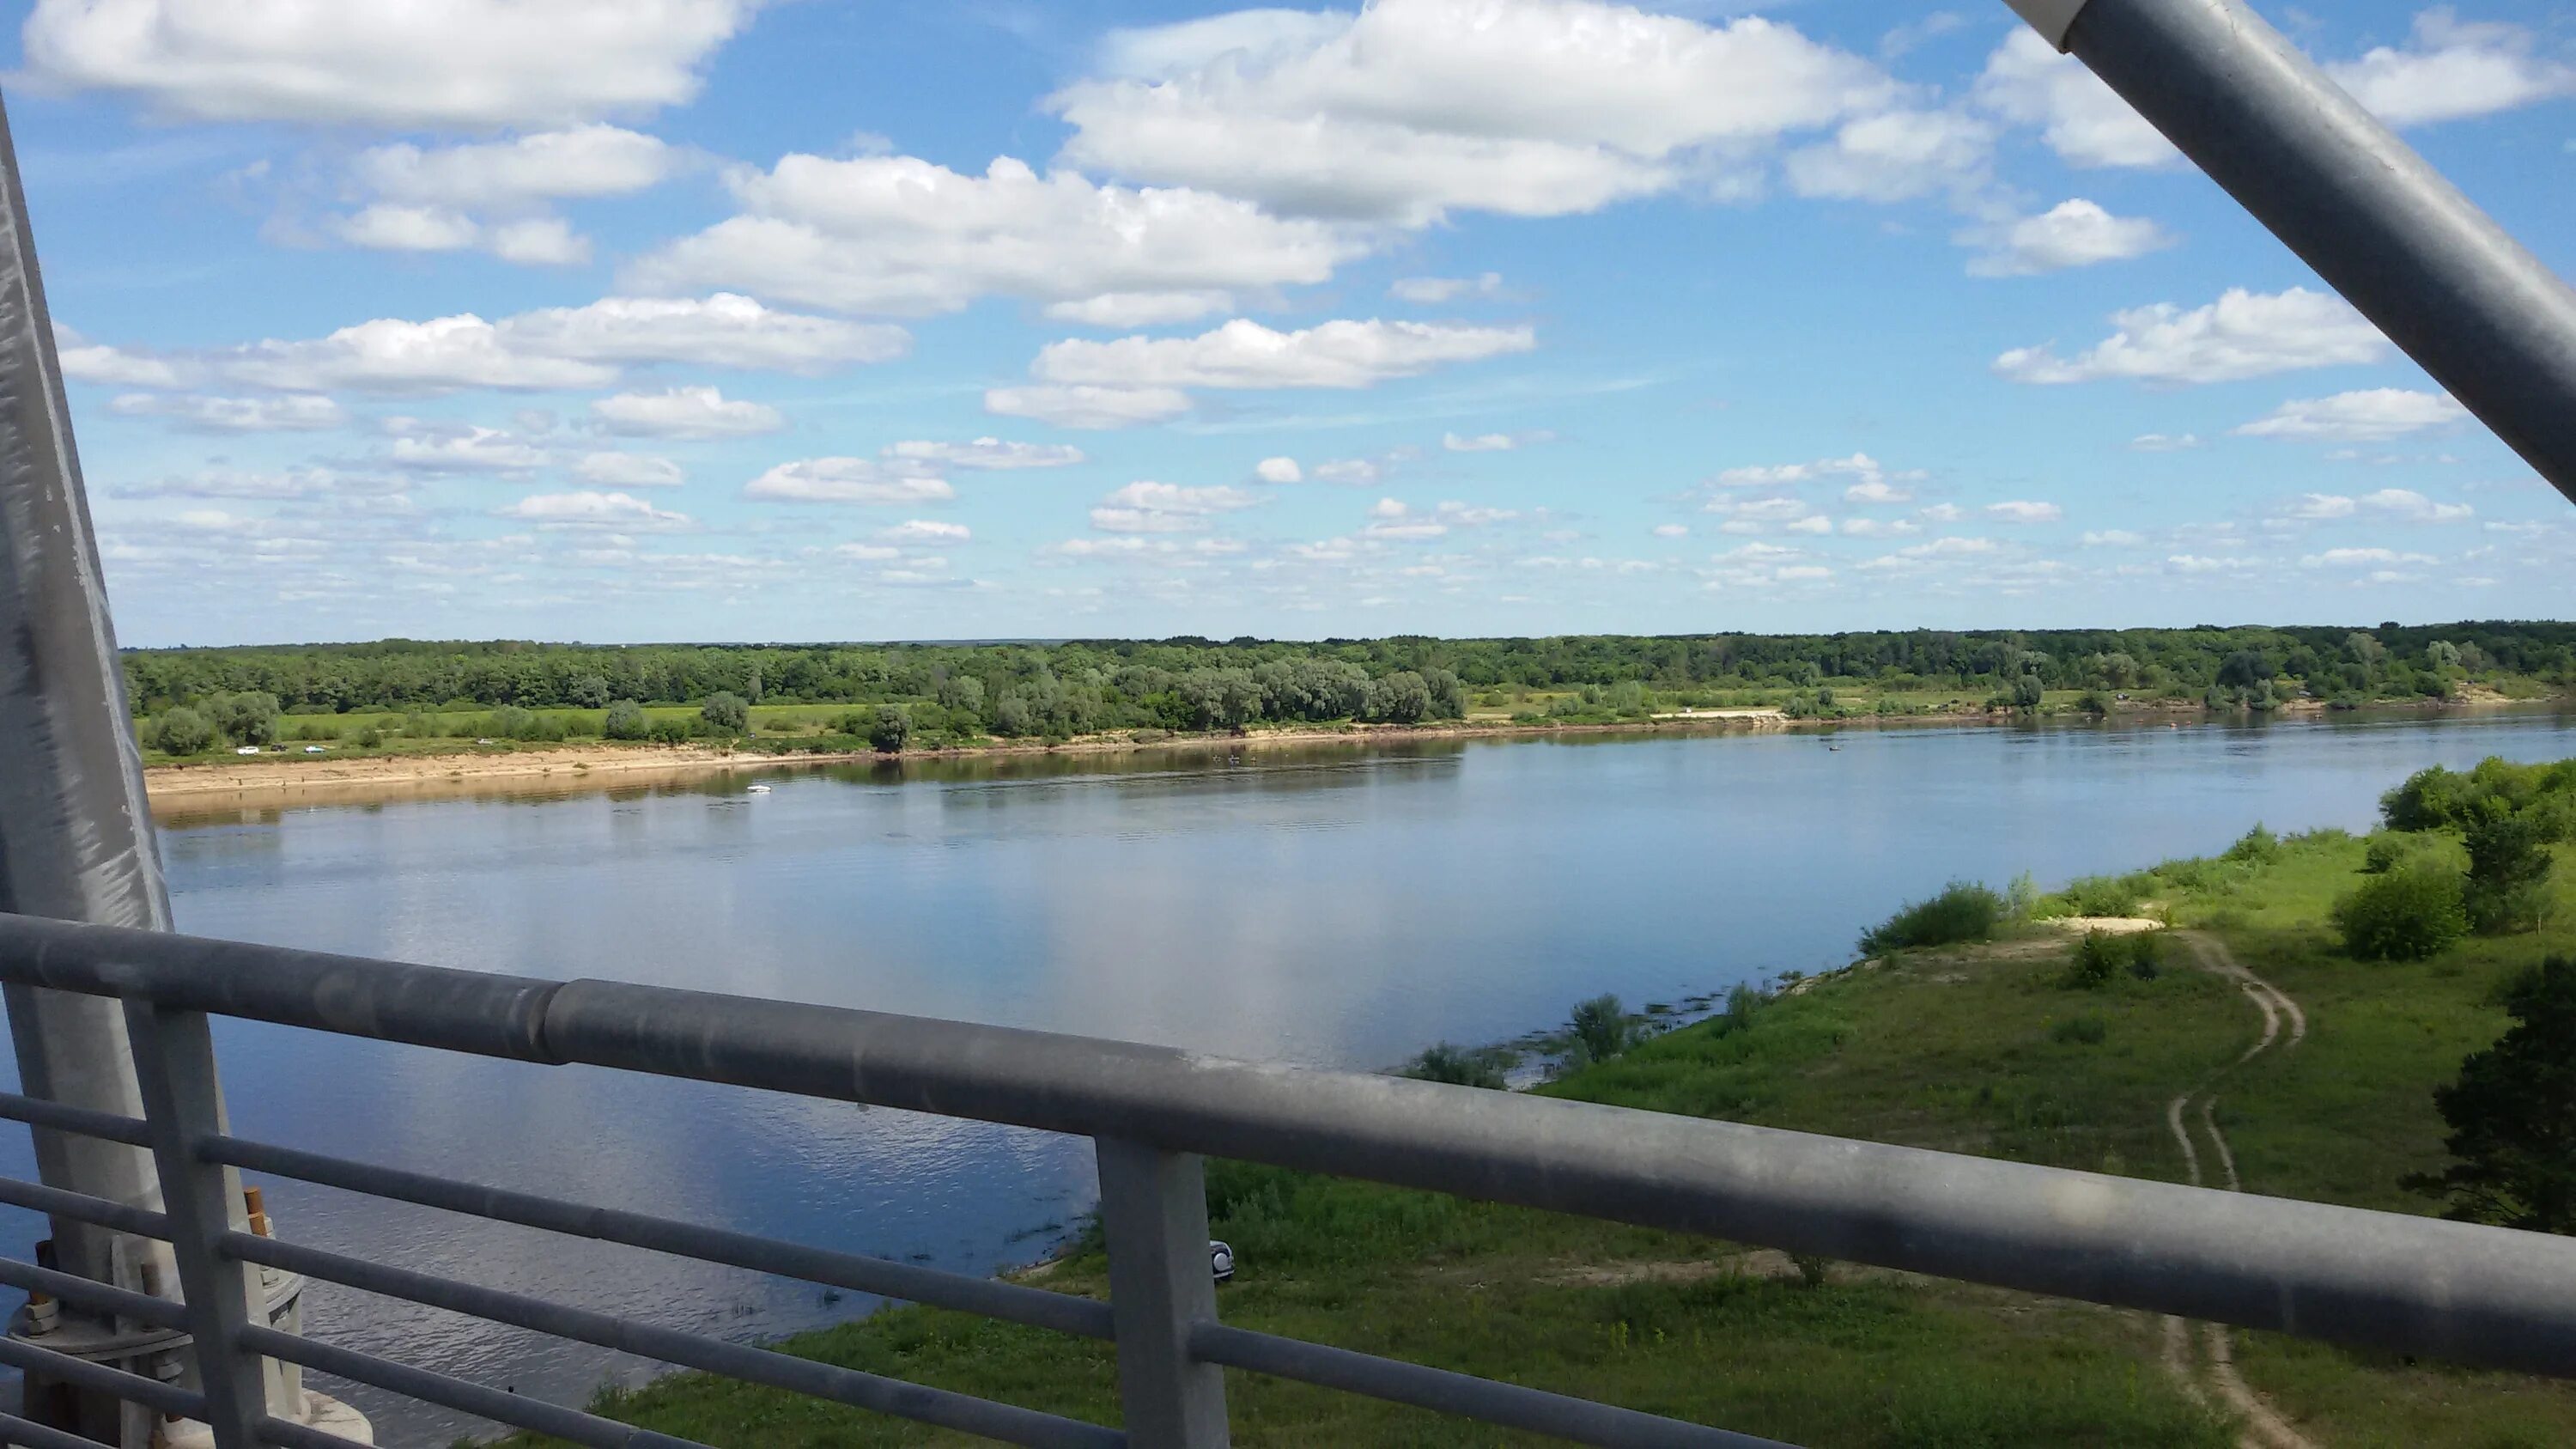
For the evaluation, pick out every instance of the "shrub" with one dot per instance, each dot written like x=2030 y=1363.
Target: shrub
x=2085 y=1030
x=669 y=732
x=889 y=731
x=181 y=731
x=2146 y=954
x=626 y=721
x=2386 y=851
x=249 y=718
x=1600 y=1028
x=2406 y=915
x=1963 y=911
x=2103 y=895
x=371 y=738
x=725 y=711
x=1457 y=1066
x=2258 y=846
x=2094 y=961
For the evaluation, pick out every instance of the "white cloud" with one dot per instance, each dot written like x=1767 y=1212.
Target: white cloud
x=1880 y=527
x=294 y=483
x=1876 y=490
x=2164 y=442
x=1894 y=156
x=2452 y=68
x=1122 y=310
x=2027 y=82
x=2242 y=334
x=2347 y=558
x=2075 y=233
x=85 y=361
x=589 y=509
x=1245 y=354
x=2113 y=538
x=394 y=228
x=629 y=470
x=1491 y=442
x=723 y=330
x=2414 y=507
x=2191 y=563
x=537 y=241
x=294 y=412
x=686 y=412
x=1350 y=472
x=424 y=64
x=1943 y=513
x=990 y=454
x=1148 y=507
x=1393 y=113
x=1088 y=407
x=550 y=348
x=2320 y=506
x=898 y=235
x=1859 y=465
x=460 y=448
x=926 y=530
x=1432 y=291
x=848 y=480
x=2373 y=415
x=2021 y=510
x=582 y=162
x=1672 y=530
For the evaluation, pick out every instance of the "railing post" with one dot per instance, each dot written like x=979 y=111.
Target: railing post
x=174 y=1057
x=1153 y=1210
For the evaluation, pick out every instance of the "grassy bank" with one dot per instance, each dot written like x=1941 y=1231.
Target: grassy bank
x=1981 y=1048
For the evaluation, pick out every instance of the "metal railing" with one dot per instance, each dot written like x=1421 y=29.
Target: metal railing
x=2478 y=1295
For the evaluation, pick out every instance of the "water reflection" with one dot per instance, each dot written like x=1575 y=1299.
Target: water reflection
x=1339 y=906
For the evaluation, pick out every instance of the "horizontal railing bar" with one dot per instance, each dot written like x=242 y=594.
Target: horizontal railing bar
x=1037 y=1308
x=875 y=1392
x=534 y=1415
x=73 y=1288
x=29 y=1434
x=81 y=1207
x=27 y=1358
x=1464 y=1395
x=2487 y=1296
x=37 y=1112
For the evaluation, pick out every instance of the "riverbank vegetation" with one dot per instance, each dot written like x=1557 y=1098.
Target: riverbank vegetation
x=408 y=695
x=2407 y=1093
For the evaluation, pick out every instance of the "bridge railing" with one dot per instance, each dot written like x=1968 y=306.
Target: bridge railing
x=2476 y=1295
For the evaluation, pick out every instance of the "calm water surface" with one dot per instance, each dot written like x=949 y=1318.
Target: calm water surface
x=1339 y=907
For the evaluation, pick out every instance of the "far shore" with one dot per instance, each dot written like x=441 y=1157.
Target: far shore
x=286 y=778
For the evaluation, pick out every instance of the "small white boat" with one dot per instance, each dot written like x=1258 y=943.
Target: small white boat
x=759 y=790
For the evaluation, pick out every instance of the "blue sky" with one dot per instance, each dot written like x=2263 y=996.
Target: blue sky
x=626 y=320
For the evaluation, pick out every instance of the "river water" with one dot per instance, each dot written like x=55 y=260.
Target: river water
x=1338 y=906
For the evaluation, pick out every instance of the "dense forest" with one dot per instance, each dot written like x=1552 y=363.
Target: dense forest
x=1083 y=686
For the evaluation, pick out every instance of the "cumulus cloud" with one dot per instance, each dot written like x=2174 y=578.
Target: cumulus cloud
x=438 y=447
x=1350 y=472
x=85 y=361
x=1391 y=113
x=2027 y=82
x=1492 y=442
x=2450 y=68
x=629 y=470
x=2113 y=538
x=2373 y=415
x=2414 y=507
x=2022 y=510
x=1876 y=490
x=1122 y=310
x=848 y=480
x=686 y=412
x=2347 y=558
x=1672 y=530
x=1245 y=354
x=1432 y=291
x=1278 y=470
x=988 y=454
x=1088 y=407
x=294 y=412
x=2075 y=233
x=898 y=235
x=526 y=171
x=1894 y=156
x=926 y=530
x=432 y=63
x=2164 y=442
x=2242 y=334
x=557 y=347
x=590 y=509
x=1149 y=507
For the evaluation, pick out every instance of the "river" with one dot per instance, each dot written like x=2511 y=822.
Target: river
x=1335 y=906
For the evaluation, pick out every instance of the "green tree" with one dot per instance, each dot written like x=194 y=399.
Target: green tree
x=590 y=691
x=1400 y=698
x=1600 y=1028
x=626 y=721
x=2512 y=1114
x=247 y=718
x=181 y=731
x=1457 y=1066
x=893 y=727
x=726 y=711
x=2508 y=881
